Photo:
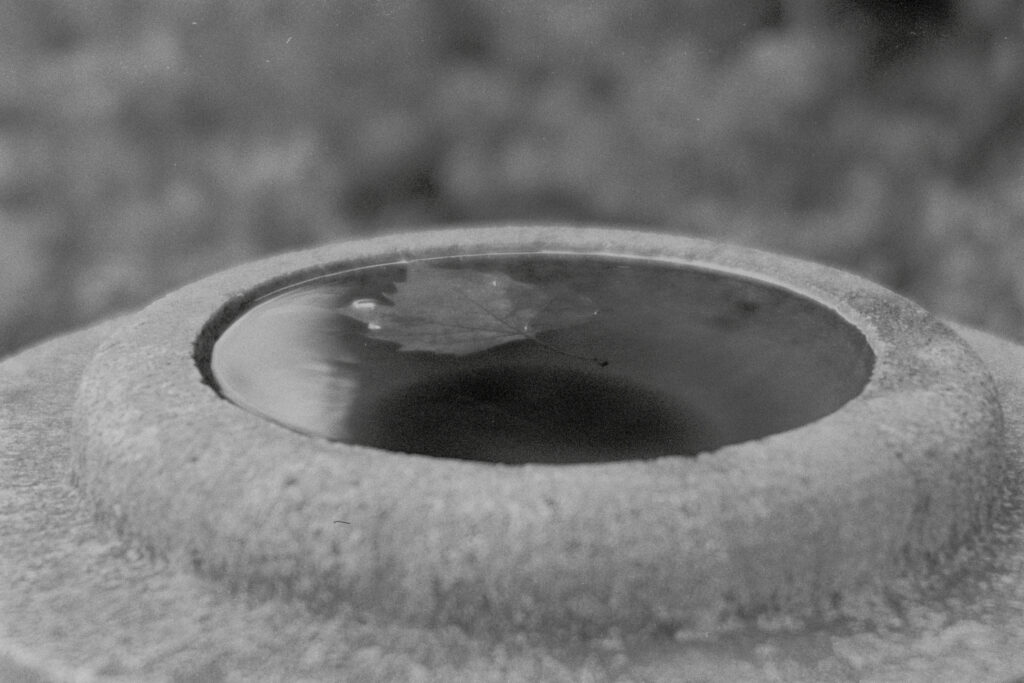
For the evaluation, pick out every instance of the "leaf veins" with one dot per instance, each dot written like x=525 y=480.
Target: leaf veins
x=459 y=312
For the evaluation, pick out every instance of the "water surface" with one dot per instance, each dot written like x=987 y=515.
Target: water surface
x=545 y=358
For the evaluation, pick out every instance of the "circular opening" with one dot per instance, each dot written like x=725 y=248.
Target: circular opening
x=539 y=358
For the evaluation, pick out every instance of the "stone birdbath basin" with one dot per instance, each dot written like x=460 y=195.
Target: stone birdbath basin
x=515 y=453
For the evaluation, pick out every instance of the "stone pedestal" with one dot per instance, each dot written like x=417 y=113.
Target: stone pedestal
x=152 y=530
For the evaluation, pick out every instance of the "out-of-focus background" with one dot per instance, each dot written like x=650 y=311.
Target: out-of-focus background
x=146 y=143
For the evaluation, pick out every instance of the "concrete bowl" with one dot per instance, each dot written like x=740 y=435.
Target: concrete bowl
x=816 y=547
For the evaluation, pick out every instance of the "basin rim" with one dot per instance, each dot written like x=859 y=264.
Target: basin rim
x=888 y=484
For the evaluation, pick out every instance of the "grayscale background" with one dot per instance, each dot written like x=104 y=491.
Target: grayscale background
x=144 y=144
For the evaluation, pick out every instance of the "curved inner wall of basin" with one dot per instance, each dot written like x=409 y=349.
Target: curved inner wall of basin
x=673 y=361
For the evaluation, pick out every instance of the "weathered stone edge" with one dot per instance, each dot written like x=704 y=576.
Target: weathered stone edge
x=52 y=584
x=758 y=526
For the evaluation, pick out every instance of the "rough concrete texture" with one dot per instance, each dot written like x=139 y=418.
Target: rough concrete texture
x=796 y=522
x=80 y=602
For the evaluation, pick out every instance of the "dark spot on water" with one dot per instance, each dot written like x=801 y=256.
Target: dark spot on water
x=526 y=414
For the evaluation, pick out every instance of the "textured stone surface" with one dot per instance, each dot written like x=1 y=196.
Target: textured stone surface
x=797 y=521
x=79 y=604
x=78 y=601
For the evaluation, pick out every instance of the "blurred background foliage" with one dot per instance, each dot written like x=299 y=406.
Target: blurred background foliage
x=144 y=144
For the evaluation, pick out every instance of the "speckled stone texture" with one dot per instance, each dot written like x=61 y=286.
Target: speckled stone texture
x=793 y=522
x=78 y=599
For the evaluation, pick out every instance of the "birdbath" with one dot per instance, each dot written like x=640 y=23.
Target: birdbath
x=537 y=451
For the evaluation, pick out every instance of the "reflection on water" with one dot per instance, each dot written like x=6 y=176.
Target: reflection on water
x=539 y=358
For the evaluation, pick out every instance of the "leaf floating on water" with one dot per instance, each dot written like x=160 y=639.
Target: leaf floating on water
x=459 y=312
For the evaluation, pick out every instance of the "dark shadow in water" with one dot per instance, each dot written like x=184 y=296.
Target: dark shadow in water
x=528 y=414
